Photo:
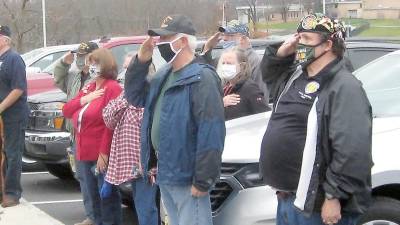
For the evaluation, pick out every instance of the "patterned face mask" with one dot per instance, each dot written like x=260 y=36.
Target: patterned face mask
x=305 y=54
x=94 y=71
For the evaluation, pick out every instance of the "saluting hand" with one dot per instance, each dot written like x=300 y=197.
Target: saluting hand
x=212 y=42
x=289 y=46
x=146 y=50
x=68 y=58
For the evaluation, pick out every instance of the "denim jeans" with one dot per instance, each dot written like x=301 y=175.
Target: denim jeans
x=288 y=214
x=14 y=144
x=85 y=195
x=184 y=209
x=105 y=211
x=145 y=198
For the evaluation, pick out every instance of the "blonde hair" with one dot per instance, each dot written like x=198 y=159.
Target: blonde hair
x=105 y=59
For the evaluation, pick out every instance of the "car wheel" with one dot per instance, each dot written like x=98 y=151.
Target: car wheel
x=61 y=171
x=383 y=211
x=29 y=165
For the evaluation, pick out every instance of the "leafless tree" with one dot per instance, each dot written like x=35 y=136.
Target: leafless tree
x=252 y=13
x=20 y=14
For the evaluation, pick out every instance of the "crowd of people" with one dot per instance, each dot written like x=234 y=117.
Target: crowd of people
x=164 y=131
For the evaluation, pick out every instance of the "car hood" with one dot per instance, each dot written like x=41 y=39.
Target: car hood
x=244 y=136
x=49 y=96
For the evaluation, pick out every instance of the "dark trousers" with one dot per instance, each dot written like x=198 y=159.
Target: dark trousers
x=105 y=211
x=14 y=144
x=288 y=214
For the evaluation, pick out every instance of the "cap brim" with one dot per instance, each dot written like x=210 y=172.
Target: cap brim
x=78 y=52
x=160 y=32
x=221 y=29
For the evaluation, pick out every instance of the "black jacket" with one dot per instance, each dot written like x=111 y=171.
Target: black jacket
x=252 y=100
x=342 y=162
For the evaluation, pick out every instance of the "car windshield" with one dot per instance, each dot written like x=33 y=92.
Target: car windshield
x=32 y=54
x=381 y=81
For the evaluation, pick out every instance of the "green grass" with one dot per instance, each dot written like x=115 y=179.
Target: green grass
x=386 y=22
x=371 y=32
x=381 y=32
x=354 y=22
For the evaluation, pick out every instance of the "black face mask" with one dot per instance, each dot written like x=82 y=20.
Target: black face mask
x=167 y=51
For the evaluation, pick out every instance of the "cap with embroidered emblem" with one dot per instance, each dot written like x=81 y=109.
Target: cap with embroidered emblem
x=174 y=24
x=86 y=48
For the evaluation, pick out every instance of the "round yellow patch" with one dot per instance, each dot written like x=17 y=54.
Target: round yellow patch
x=312 y=87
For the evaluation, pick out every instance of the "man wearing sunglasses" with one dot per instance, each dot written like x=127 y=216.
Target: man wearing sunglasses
x=183 y=128
x=70 y=81
x=316 y=151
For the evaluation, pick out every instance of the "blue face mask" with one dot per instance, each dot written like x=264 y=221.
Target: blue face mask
x=228 y=44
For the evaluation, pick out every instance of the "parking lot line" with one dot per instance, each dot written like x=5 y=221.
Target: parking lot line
x=33 y=173
x=56 y=202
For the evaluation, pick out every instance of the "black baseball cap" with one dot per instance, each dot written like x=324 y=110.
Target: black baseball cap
x=86 y=48
x=5 y=31
x=174 y=24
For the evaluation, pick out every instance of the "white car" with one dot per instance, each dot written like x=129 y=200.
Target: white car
x=240 y=198
x=38 y=60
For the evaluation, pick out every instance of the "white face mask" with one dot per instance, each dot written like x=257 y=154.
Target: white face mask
x=94 y=71
x=228 y=71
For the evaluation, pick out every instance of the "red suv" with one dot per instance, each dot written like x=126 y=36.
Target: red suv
x=39 y=82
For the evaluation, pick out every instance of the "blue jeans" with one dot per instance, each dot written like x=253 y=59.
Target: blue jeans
x=145 y=198
x=288 y=214
x=105 y=211
x=184 y=209
x=14 y=144
x=85 y=195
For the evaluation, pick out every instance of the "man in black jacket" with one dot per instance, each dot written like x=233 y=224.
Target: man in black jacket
x=316 y=151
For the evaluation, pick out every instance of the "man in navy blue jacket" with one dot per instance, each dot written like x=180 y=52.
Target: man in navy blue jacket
x=183 y=128
x=14 y=110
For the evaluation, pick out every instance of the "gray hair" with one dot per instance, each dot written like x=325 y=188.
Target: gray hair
x=191 y=39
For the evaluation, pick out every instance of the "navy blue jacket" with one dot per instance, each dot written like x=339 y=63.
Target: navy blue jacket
x=192 y=127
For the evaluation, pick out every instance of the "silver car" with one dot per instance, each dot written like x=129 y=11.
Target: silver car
x=240 y=198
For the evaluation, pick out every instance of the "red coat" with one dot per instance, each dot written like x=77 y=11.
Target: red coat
x=94 y=136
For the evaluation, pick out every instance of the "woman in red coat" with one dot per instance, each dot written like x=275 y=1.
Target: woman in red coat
x=93 y=138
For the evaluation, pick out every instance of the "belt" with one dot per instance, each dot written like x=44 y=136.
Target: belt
x=285 y=194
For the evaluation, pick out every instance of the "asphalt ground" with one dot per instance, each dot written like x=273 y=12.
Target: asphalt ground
x=60 y=199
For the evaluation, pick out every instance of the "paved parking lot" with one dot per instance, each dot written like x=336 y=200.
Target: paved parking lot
x=61 y=199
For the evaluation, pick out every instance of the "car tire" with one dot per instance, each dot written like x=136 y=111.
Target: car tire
x=63 y=172
x=383 y=210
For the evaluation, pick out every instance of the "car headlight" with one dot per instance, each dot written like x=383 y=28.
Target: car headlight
x=249 y=176
x=47 y=117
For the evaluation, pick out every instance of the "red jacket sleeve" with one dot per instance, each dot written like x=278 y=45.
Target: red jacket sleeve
x=113 y=90
x=72 y=106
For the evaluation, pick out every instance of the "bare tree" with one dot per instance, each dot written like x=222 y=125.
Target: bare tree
x=21 y=17
x=252 y=13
